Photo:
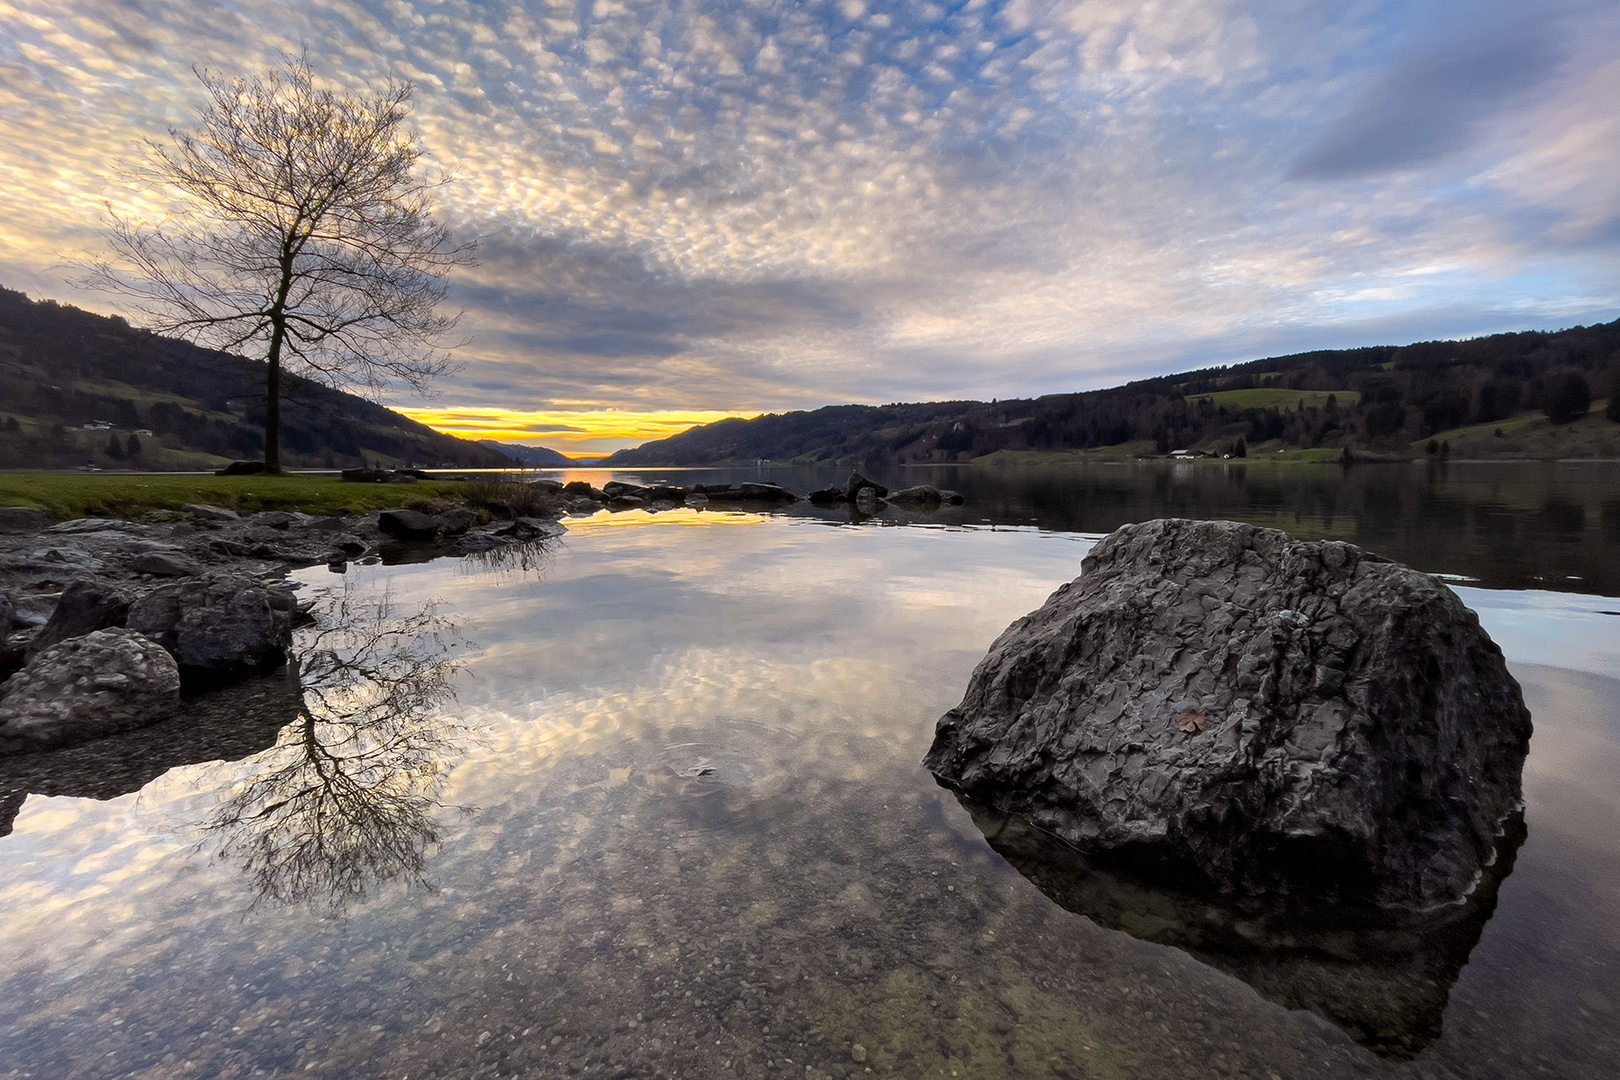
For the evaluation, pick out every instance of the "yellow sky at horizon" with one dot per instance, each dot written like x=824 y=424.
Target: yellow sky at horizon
x=584 y=433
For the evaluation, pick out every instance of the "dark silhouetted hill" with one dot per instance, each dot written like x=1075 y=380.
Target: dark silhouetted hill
x=77 y=387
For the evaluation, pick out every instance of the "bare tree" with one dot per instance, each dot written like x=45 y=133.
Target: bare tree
x=299 y=225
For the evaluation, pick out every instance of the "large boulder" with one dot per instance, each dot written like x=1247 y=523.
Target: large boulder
x=218 y=626
x=87 y=687
x=86 y=605
x=1222 y=703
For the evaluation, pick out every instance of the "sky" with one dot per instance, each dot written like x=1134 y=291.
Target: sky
x=694 y=210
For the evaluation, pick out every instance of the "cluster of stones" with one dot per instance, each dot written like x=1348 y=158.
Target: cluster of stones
x=204 y=591
x=868 y=496
x=579 y=496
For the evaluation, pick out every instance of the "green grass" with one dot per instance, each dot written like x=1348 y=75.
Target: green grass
x=70 y=495
x=1266 y=397
x=1532 y=435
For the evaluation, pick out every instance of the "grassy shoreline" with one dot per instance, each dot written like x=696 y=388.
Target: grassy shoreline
x=72 y=495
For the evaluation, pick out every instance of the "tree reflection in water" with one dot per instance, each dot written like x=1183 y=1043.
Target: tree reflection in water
x=346 y=798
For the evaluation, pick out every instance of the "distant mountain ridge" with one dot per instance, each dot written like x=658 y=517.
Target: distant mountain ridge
x=77 y=388
x=1504 y=395
x=528 y=455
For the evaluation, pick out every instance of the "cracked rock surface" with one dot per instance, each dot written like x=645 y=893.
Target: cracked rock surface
x=1266 y=715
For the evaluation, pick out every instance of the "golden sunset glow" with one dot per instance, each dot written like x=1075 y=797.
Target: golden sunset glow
x=583 y=434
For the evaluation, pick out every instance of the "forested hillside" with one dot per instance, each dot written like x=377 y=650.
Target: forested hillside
x=78 y=388
x=1525 y=394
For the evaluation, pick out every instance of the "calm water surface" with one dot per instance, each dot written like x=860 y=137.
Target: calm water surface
x=647 y=803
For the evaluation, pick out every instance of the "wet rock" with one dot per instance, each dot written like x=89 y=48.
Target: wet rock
x=527 y=528
x=827 y=496
x=87 y=687
x=206 y=512
x=920 y=495
x=263 y=534
x=220 y=626
x=582 y=489
x=1213 y=699
x=78 y=526
x=925 y=496
x=474 y=542
x=455 y=522
x=165 y=564
x=21 y=519
x=627 y=502
x=856 y=482
x=766 y=492
x=407 y=525
x=8 y=612
x=271 y=519
x=86 y=605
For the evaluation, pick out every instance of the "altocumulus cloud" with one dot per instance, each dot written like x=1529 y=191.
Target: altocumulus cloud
x=760 y=205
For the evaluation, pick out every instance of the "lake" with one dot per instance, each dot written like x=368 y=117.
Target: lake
x=647 y=803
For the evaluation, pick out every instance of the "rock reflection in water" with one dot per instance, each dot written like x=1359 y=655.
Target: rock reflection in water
x=345 y=799
x=1383 y=976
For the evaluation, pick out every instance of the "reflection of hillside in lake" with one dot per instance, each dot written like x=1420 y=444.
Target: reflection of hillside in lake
x=345 y=799
x=1510 y=525
x=1382 y=975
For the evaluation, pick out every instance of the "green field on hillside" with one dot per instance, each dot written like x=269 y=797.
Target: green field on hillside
x=1266 y=397
x=1532 y=435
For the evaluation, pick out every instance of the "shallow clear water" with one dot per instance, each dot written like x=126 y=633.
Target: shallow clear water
x=673 y=824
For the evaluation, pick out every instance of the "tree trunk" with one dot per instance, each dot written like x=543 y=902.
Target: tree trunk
x=272 y=403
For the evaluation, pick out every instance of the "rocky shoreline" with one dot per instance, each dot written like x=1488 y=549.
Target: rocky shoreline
x=207 y=584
